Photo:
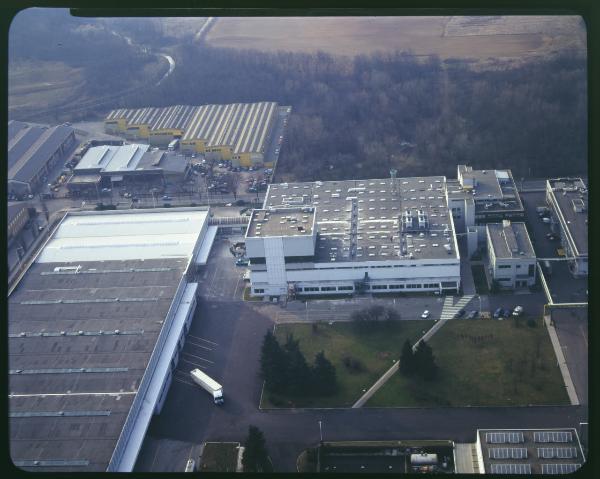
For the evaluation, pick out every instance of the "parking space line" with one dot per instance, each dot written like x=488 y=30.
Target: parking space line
x=201 y=339
x=199 y=345
x=236 y=287
x=198 y=357
x=193 y=364
x=184 y=382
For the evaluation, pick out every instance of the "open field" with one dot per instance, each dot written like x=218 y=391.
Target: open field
x=483 y=363
x=477 y=38
x=376 y=350
x=39 y=85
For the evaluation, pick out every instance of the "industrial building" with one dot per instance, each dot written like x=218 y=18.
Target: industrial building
x=17 y=218
x=478 y=197
x=237 y=132
x=108 y=166
x=511 y=256
x=339 y=237
x=33 y=150
x=95 y=327
x=528 y=451
x=568 y=201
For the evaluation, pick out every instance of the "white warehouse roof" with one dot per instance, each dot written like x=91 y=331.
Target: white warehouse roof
x=125 y=235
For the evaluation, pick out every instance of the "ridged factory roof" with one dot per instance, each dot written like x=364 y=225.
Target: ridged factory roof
x=242 y=126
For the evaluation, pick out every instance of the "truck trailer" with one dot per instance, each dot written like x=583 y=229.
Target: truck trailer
x=208 y=384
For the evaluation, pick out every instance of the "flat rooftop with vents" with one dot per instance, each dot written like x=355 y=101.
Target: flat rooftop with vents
x=373 y=220
x=529 y=451
x=93 y=326
x=510 y=240
x=282 y=222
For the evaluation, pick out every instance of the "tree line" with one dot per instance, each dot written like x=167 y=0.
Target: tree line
x=359 y=117
x=286 y=371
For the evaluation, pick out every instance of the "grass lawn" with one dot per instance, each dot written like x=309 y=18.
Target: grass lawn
x=375 y=350
x=483 y=363
x=479 y=279
x=219 y=457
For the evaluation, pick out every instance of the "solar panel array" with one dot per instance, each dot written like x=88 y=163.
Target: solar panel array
x=504 y=437
x=553 y=436
x=511 y=469
x=507 y=453
x=557 y=452
x=559 y=468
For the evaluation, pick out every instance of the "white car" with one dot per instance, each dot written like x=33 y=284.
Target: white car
x=425 y=314
x=518 y=311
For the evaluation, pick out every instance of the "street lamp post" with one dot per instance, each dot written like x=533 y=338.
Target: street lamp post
x=321 y=432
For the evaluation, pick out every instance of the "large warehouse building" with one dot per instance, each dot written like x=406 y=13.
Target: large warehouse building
x=95 y=327
x=238 y=132
x=339 y=237
x=568 y=201
x=108 y=165
x=33 y=150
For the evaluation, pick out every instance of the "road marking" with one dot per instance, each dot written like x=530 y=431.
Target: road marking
x=583 y=334
x=199 y=345
x=201 y=339
x=193 y=364
x=184 y=382
x=236 y=287
x=198 y=357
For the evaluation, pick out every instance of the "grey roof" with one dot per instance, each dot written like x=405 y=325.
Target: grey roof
x=61 y=322
x=510 y=240
x=492 y=191
x=281 y=222
x=163 y=160
x=566 y=191
x=30 y=148
x=375 y=235
x=520 y=450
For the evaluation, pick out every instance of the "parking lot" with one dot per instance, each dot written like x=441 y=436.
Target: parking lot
x=563 y=286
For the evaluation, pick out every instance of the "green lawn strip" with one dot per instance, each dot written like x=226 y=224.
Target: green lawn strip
x=479 y=279
x=219 y=457
x=483 y=363
x=375 y=349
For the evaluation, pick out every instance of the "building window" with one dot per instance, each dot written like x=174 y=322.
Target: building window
x=298 y=290
x=345 y=288
x=531 y=271
x=504 y=266
x=448 y=284
x=259 y=291
x=396 y=286
x=307 y=289
x=380 y=286
x=328 y=288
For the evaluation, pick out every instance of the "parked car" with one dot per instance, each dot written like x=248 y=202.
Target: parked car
x=498 y=313
x=518 y=311
x=472 y=315
x=546 y=220
x=241 y=262
x=166 y=198
x=461 y=313
x=425 y=314
x=506 y=313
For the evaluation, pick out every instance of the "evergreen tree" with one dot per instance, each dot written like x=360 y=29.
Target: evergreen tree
x=425 y=361
x=407 y=360
x=256 y=456
x=324 y=377
x=298 y=374
x=273 y=363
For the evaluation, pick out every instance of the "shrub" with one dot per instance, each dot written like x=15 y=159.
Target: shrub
x=353 y=365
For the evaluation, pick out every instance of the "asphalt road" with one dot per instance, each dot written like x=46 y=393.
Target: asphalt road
x=225 y=338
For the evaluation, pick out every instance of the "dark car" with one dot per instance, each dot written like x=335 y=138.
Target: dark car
x=472 y=315
x=461 y=313
x=506 y=313
x=498 y=313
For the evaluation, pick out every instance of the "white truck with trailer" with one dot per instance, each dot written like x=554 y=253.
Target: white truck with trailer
x=208 y=384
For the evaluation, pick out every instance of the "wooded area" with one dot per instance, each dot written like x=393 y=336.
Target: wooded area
x=358 y=118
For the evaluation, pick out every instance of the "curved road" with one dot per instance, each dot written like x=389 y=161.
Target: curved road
x=171 y=67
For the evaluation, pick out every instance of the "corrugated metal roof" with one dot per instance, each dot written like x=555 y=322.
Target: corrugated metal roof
x=242 y=126
x=31 y=149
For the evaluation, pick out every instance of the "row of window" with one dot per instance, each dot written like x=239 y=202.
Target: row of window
x=374 y=287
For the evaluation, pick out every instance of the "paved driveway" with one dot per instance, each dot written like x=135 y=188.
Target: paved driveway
x=231 y=333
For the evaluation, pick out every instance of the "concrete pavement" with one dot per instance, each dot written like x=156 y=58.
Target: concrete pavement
x=562 y=363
